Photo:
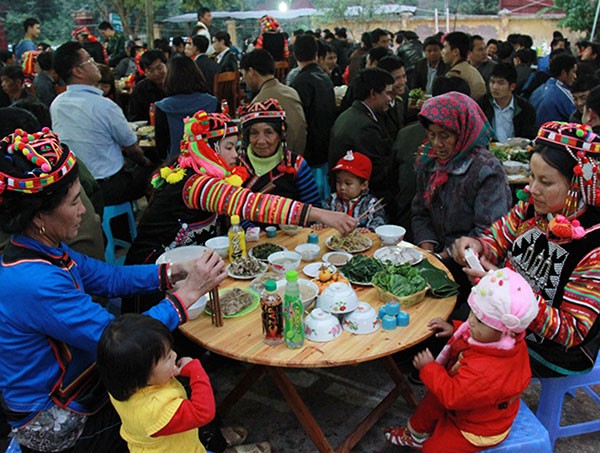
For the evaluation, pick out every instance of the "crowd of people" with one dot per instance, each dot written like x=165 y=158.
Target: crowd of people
x=391 y=119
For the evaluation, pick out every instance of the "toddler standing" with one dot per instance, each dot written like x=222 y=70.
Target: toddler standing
x=138 y=366
x=475 y=383
x=353 y=172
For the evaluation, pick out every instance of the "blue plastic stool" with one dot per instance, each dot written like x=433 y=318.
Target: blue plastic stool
x=527 y=435
x=551 y=402
x=111 y=212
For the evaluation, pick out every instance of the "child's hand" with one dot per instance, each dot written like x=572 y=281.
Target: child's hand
x=181 y=363
x=317 y=226
x=445 y=329
x=423 y=358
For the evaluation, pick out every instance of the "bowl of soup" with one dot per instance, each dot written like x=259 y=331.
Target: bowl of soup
x=281 y=262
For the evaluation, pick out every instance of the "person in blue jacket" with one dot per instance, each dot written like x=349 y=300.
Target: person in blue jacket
x=49 y=324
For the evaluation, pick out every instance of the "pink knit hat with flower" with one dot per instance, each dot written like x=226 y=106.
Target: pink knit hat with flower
x=504 y=301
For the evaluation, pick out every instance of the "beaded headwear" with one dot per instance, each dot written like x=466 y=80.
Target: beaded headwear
x=33 y=163
x=583 y=145
x=268 y=24
x=81 y=30
x=197 y=155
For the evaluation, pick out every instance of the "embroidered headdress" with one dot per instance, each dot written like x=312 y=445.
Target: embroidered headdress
x=33 y=163
x=268 y=24
x=196 y=154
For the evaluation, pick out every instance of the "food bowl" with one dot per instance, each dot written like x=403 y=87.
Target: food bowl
x=338 y=298
x=390 y=234
x=321 y=326
x=290 y=230
x=197 y=307
x=181 y=254
x=513 y=168
x=363 y=320
x=281 y=262
x=308 y=291
x=219 y=244
x=337 y=258
x=308 y=252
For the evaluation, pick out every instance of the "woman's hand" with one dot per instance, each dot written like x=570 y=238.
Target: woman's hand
x=342 y=222
x=444 y=328
x=423 y=358
x=204 y=274
x=463 y=243
x=475 y=275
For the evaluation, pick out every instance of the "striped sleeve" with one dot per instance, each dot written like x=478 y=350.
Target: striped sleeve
x=213 y=195
x=570 y=324
x=306 y=184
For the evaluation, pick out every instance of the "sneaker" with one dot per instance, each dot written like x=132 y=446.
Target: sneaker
x=402 y=437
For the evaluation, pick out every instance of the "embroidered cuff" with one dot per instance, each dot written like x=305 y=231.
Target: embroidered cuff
x=179 y=307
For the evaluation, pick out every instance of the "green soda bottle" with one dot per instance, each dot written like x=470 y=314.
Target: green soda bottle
x=293 y=311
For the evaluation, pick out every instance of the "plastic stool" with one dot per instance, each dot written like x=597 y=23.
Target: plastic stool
x=111 y=212
x=551 y=403
x=526 y=435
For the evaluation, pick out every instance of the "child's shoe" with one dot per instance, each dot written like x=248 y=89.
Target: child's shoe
x=402 y=437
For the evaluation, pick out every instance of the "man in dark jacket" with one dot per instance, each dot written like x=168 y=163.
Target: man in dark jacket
x=196 y=49
x=430 y=67
x=509 y=114
x=411 y=52
x=150 y=89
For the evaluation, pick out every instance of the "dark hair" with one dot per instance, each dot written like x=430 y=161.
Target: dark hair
x=459 y=40
x=202 y=11
x=323 y=48
x=65 y=58
x=298 y=32
x=260 y=60
x=399 y=38
x=475 y=38
x=223 y=36
x=45 y=46
x=37 y=109
x=371 y=79
x=201 y=42
x=105 y=25
x=593 y=100
x=328 y=35
x=432 y=41
x=526 y=41
x=492 y=41
x=150 y=57
x=525 y=55
x=305 y=48
x=378 y=33
x=13 y=72
x=181 y=68
x=365 y=39
x=12 y=118
x=340 y=32
x=377 y=53
x=44 y=59
x=29 y=22
x=512 y=38
x=391 y=63
x=5 y=54
x=178 y=40
x=555 y=41
x=163 y=45
x=504 y=71
x=560 y=63
x=443 y=85
x=128 y=350
x=505 y=50
x=411 y=35
x=556 y=157
x=595 y=48
x=584 y=84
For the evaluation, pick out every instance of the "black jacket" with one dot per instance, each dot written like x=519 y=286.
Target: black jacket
x=421 y=73
x=209 y=68
x=523 y=120
x=228 y=63
x=145 y=93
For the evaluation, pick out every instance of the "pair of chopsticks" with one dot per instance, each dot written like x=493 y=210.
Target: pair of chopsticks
x=372 y=210
x=214 y=303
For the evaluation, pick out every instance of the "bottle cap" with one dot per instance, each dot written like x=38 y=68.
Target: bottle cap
x=235 y=219
x=270 y=286
x=291 y=276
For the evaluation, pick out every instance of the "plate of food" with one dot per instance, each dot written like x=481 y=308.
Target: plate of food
x=246 y=268
x=361 y=269
x=236 y=302
x=398 y=255
x=354 y=242
x=337 y=258
x=312 y=270
x=262 y=251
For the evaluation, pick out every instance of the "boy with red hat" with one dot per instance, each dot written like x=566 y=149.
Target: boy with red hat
x=353 y=172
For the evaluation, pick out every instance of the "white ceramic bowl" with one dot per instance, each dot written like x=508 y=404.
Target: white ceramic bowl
x=219 y=244
x=308 y=291
x=281 y=262
x=290 y=230
x=197 y=307
x=181 y=254
x=390 y=234
x=338 y=298
x=308 y=252
x=513 y=168
x=363 y=320
x=321 y=326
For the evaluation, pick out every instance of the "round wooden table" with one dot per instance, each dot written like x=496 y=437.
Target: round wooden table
x=241 y=339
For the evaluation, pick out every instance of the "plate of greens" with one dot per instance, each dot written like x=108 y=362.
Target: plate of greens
x=400 y=281
x=262 y=251
x=361 y=269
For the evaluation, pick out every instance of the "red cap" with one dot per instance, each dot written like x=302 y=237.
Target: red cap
x=356 y=163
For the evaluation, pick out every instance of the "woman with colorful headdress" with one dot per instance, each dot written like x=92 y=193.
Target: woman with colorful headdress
x=272 y=39
x=271 y=166
x=461 y=186
x=552 y=238
x=203 y=183
x=49 y=324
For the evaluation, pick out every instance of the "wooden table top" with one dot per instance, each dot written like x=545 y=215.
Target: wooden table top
x=241 y=338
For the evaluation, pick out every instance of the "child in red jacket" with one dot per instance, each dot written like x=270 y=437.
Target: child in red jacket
x=475 y=383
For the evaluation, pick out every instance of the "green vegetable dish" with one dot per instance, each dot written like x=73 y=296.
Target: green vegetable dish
x=262 y=251
x=400 y=280
x=361 y=269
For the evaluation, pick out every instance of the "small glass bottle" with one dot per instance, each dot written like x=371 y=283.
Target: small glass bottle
x=293 y=311
x=152 y=114
x=272 y=315
x=224 y=107
x=237 y=239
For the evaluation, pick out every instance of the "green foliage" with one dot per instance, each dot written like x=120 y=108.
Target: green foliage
x=335 y=10
x=478 y=7
x=579 y=14
x=217 y=5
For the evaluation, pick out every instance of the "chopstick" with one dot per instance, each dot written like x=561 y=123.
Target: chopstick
x=216 y=314
x=373 y=209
